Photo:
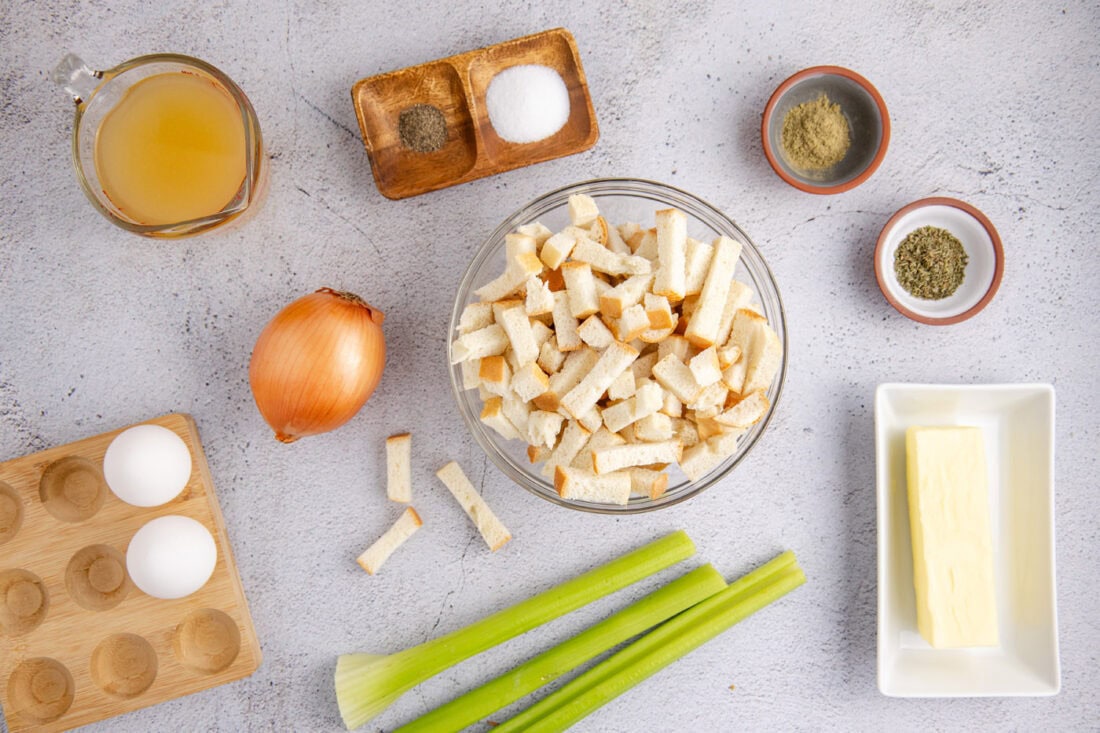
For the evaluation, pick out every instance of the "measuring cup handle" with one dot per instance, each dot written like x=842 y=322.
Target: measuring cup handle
x=76 y=78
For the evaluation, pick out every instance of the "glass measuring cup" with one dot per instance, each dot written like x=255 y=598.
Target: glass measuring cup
x=165 y=172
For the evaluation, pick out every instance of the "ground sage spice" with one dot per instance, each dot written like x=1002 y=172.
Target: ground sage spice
x=815 y=134
x=422 y=128
x=930 y=263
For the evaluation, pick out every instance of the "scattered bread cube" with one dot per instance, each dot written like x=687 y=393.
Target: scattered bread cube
x=671 y=276
x=517 y=411
x=614 y=241
x=594 y=333
x=623 y=386
x=705 y=368
x=710 y=401
x=678 y=345
x=696 y=263
x=495 y=374
x=522 y=264
x=577 y=365
x=614 y=360
x=573 y=439
x=565 y=323
x=601 y=259
x=647 y=482
x=602 y=438
x=643 y=365
x=653 y=428
x=614 y=458
x=580 y=286
x=374 y=556
x=543 y=428
x=475 y=316
x=591 y=420
x=483 y=342
x=728 y=355
x=537 y=231
x=530 y=382
x=645 y=245
x=550 y=356
x=492 y=414
x=580 y=485
x=539 y=298
x=399 y=468
x=738 y=298
x=733 y=376
x=471 y=371
x=517 y=326
x=760 y=348
x=659 y=311
x=557 y=248
x=627 y=293
x=582 y=209
x=677 y=378
x=672 y=406
x=746 y=412
x=492 y=529
x=702 y=329
x=703 y=457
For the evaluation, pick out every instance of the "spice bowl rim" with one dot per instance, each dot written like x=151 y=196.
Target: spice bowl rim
x=773 y=101
x=700 y=213
x=885 y=285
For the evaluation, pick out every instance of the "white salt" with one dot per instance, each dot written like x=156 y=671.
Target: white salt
x=527 y=103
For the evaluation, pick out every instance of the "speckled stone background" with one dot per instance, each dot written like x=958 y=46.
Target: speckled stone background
x=994 y=103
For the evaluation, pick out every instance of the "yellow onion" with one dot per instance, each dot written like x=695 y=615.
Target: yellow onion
x=316 y=363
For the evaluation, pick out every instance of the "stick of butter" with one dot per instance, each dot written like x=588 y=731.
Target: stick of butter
x=952 y=543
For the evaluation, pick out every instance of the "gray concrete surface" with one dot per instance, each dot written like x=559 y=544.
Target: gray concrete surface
x=994 y=103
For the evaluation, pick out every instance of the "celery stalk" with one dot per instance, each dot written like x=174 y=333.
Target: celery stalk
x=366 y=684
x=659 y=648
x=658 y=606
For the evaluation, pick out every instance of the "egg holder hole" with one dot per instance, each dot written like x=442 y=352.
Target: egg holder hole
x=96 y=578
x=24 y=601
x=73 y=489
x=207 y=641
x=41 y=689
x=124 y=665
x=11 y=512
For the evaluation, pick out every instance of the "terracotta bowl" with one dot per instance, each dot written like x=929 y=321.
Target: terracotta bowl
x=984 y=268
x=868 y=122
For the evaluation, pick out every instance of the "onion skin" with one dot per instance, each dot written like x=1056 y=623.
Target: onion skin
x=316 y=363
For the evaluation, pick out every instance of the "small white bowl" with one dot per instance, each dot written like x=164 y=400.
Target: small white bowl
x=1017 y=421
x=984 y=268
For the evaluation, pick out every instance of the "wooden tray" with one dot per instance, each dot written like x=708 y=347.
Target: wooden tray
x=457 y=85
x=85 y=654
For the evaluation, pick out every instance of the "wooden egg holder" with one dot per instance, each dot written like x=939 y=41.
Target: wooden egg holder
x=456 y=85
x=78 y=641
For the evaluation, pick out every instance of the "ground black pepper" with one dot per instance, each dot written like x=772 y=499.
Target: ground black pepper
x=930 y=263
x=422 y=128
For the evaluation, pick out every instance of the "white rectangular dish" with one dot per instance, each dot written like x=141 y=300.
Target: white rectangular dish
x=1017 y=421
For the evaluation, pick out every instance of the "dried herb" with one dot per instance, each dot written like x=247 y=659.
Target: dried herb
x=815 y=134
x=930 y=263
x=422 y=128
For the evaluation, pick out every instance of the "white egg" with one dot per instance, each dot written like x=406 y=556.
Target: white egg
x=171 y=557
x=147 y=465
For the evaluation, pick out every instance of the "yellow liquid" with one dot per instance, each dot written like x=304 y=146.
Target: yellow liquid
x=172 y=149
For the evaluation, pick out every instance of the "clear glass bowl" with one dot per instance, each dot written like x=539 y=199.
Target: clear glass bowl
x=620 y=200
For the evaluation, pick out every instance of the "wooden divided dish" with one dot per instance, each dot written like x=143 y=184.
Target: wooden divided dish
x=79 y=642
x=456 y=86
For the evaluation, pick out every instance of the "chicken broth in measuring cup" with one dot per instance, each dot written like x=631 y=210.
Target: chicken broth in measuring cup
x=164 y=145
